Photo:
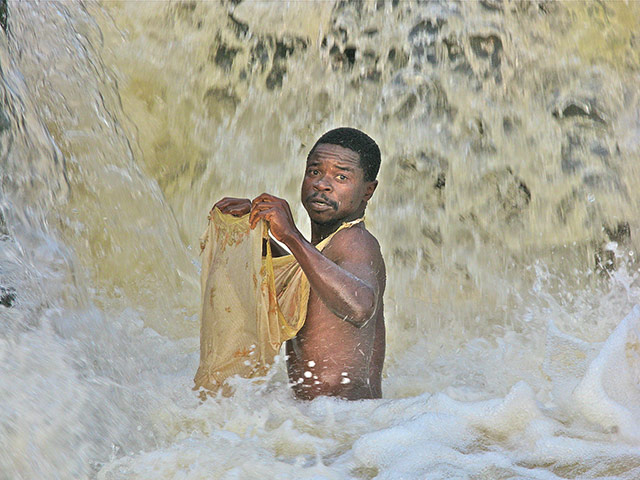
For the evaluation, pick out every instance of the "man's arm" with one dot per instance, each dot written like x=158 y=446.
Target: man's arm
x=344 y=274
x=277 y=250
x=345 y=278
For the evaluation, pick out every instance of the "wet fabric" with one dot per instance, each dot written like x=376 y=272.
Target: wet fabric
x=250 y=304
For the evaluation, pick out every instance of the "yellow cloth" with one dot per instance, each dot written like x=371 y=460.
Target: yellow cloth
x=250 y=304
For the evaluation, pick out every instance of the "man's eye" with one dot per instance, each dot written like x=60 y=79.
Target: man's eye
x=342 y=177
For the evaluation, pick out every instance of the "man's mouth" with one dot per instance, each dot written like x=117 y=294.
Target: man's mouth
x=320 y=203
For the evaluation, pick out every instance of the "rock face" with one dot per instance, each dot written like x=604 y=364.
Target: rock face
x=4 y=13
x=488 y=139
x=7 y=297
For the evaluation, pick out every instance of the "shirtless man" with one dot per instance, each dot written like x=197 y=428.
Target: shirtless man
x=340 y=349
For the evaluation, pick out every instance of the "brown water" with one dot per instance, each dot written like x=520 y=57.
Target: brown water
x=507 y=212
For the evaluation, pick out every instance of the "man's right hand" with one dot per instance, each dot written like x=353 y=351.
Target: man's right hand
x=233 y=206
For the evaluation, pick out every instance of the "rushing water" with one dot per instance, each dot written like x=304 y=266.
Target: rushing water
x=507 y=212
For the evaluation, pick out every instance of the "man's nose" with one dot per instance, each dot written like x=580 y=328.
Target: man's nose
x=322 y=184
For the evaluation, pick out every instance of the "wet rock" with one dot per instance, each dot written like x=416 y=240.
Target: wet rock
x=510 y=123
x=342 y=59
x=258 y=58
x=426 y=28
x=487 y=53
x=566 y=206
x=282 y=49
x=7 y=296
x=4 y=231
x=619 y=233
x=477 y=134
x=414 y=256
x=220 y=102
x=605 y=253
x=575 y=108
x=406 y=107
x=274 y=79
x=569 y=163
x=423 y=176
x=286 y=46
x=241 y=29
x=602 y=181
x=605 y=260
x=427 y=98
x=493 y=5
x=350 y=54
x=397 y=58
x=506 y=195
x=455 y=55
x=547 y=7
x=454 y=50
x=487 y=47
x=224 y=56
x=260 y=54
x=298 y=19
x=423 y=36
x=5 y=123
x=4 y=14
x=600 y=150
x=342 y=35
x=432 y=233
x=370 y=32
x=369 y=56
x=437 y=99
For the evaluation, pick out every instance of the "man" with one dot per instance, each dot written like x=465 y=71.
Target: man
x=339 y=351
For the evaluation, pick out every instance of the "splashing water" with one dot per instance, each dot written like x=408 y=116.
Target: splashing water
x=506 y=211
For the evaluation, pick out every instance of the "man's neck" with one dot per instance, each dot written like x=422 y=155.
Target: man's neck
x=321 y=231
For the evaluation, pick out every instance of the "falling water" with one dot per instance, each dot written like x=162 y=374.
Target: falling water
x=507 y=213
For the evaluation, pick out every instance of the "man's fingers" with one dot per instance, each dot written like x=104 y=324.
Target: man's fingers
x=264 y=196
x=223 y=202
x=236 y=211
x=257 y=212
x=257 y=215
x=233 y=206
x=262 y=205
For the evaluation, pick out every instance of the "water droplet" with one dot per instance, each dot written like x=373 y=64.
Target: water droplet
x=307 y=374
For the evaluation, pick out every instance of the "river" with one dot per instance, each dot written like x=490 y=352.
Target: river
x=507 y=213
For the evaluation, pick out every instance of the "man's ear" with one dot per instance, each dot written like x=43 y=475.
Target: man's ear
x=369 y=189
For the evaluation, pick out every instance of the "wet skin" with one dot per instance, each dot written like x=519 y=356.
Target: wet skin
x=340 y=349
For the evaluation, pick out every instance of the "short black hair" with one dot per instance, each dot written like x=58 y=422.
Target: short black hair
x=359 y=142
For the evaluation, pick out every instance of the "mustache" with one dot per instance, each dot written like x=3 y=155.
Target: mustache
x=322 y=198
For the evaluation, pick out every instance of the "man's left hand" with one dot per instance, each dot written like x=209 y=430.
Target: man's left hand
x=276 y=211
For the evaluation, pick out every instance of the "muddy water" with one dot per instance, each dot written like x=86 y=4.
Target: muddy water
x=507 y=214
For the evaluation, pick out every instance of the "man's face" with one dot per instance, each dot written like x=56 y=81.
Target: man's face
x=333 y=188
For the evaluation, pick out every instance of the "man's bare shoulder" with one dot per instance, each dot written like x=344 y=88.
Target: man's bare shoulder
x=355 y=244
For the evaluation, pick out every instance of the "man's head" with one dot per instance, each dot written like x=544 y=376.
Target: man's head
x=357 y=141
x=340 y=177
